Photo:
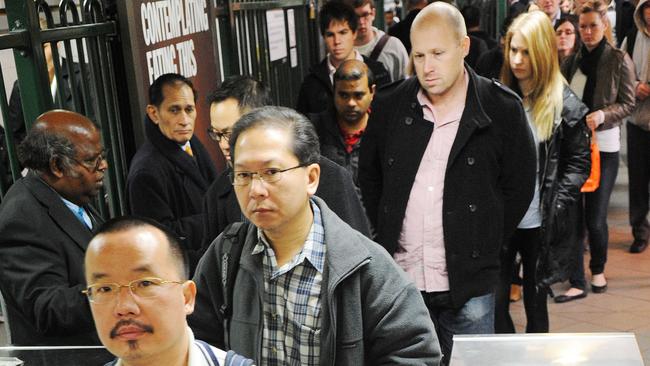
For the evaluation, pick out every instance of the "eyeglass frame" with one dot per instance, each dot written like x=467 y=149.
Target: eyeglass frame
x=88 y=294
x=231 y=175
x=103 y=155
x=216 y=135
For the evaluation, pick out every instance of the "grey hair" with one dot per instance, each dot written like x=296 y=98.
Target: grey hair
x=41 y=145
x=305 y=145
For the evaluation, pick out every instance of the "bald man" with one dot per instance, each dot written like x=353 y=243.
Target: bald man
x=447 y=170
x=46 y=223
x=340 y=129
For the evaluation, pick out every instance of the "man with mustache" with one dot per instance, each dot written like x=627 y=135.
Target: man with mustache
x=340 y=129
x=140 y=296
x=172 y=170
x=46 y=222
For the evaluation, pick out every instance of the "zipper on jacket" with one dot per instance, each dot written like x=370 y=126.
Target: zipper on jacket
x=331 y=303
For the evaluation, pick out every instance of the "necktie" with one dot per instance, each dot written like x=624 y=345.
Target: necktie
x=80 y=214
x=188 y=150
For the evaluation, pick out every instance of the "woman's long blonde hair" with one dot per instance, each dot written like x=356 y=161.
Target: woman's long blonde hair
x=548 y=83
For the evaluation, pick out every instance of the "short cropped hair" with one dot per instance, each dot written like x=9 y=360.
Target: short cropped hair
x=305 y=145
x=346 y=74
x=124 y=223
x=337 y=11
x=248 y=92
x=41 y=145
x=156 y=96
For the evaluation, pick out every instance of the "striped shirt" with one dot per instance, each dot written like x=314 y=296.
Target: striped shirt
x=292 y=305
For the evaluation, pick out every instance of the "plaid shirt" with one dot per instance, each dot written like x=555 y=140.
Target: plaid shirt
x=292 y=306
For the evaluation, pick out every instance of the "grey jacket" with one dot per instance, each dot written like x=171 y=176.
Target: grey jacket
x=637 y=44
x=372 y=313
x=614 y=90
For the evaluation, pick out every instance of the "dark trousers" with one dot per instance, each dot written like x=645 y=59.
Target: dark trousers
x=527 y=242
x=595 y=220
x=638 y=157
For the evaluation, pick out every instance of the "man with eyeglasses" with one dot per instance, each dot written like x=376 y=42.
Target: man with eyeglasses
x=309 y=289
x=140 y=295
x=236 y=96
x=172 y=170
x=46 y=222
x=376 y=44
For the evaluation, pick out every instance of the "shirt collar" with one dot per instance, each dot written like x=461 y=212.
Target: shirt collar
x=183 y=147
x=313 y=249
x=331 y=69
x=426 y=103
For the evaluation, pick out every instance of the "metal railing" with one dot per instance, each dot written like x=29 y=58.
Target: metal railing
x=83 y=74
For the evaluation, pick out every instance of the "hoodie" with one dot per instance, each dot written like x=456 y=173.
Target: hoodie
x=641 y=57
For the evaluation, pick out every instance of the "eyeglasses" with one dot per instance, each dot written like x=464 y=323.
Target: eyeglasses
x=101 y=293
x=92 y=165
x=270 y=175
x=217 y=135
x=564 y=32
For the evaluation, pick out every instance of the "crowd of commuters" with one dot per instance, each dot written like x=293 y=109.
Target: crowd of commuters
x=370 y=225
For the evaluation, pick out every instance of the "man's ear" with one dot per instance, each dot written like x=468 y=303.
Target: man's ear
x=189 y=296
x=56 y=167
x=373 y=88
x=465 y=44
x=313 y=178
x=152 y=113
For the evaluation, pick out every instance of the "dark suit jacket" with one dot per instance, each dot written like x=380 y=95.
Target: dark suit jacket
x=42 y=248
x=336 y=188
x=167 y=185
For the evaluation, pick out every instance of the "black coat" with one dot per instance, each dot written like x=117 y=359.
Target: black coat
x=332 y=145
x=42 y=248
x=489 y=181
x=565 y=162
x=167 y=185
x=316 y=91
x=220 y=207
x=402 y=30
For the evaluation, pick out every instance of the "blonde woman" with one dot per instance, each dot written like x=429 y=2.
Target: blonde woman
x=556 y=119
x=603 y=77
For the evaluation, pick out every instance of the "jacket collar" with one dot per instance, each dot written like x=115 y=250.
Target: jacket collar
x=58 y=211
x=573 y=110
x=172 y=152
x=340 y=260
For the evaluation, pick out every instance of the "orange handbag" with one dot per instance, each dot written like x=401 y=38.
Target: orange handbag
x=592 y=183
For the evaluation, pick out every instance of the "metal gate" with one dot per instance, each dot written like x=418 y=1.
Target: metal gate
x=80 y=46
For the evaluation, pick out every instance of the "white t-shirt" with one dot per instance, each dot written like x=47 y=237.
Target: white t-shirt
x=608 y=140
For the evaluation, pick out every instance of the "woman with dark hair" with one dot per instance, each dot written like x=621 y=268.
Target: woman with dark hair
x=603 y=77
x=556 y=119
x=567 y=36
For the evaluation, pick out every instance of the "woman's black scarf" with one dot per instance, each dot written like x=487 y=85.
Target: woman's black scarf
x=588 y=64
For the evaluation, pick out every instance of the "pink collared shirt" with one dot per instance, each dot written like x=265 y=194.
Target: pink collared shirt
x=421 y=244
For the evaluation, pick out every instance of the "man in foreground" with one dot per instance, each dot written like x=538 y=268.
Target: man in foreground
x=146 y=323
x=306 y=288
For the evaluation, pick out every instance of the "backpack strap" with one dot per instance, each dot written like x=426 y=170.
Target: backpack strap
x=208 y=354
x=379 y=47
x=233 y=244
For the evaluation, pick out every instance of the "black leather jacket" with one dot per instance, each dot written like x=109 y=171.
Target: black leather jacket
x=565 y=163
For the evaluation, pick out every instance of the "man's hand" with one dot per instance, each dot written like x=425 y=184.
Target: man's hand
x=595 y=119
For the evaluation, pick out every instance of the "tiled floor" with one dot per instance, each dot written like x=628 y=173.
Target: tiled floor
x=625 y=307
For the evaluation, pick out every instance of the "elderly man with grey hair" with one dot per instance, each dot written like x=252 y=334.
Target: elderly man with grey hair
x=46 y=222
x=300 y=285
